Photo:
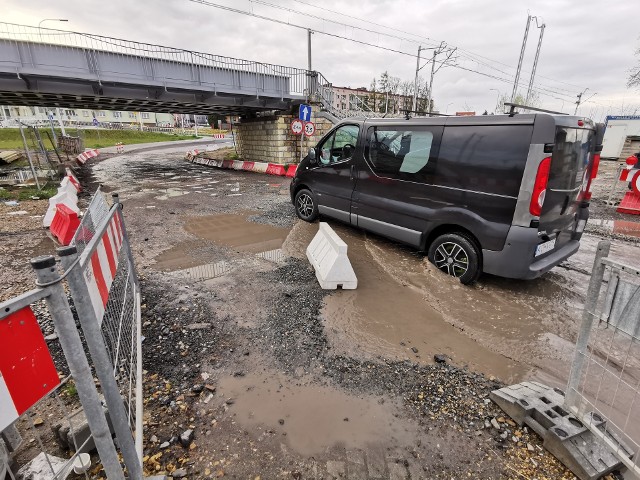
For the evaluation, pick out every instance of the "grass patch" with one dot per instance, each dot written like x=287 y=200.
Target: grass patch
x=25 y=193
x=10 y=138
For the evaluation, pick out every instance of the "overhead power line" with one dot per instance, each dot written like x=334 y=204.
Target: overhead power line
x=540 y=88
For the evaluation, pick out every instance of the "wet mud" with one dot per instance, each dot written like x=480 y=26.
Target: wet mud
x=313 y=417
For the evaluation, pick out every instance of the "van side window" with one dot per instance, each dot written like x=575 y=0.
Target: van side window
x=340 y=145
x=401 y=153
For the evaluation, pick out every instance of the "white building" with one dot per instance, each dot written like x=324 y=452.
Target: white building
x=84 y=116
x=621 y=136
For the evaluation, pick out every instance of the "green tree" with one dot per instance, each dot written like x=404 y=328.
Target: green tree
x=213 y=118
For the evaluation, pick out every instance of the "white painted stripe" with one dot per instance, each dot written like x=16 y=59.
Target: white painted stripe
x=8 y=412
x=104 y=264
x=94 y=293
x=112 y=240
x=116 y=233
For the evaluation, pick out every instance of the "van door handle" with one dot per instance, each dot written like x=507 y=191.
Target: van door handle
x=353 y=172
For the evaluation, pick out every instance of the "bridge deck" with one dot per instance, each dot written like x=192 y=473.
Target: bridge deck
x=75 y=70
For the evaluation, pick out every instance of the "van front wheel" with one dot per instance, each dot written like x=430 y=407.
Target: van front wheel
x=306 y=206
x=457 y=256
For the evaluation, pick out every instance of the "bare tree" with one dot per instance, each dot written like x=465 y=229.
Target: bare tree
x=634 y=74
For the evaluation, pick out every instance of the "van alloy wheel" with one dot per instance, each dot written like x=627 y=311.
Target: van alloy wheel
x=457 y=254
x=305 y=205
x=452 y=259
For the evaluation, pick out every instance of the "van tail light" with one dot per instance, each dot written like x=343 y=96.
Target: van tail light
x=594 y=172
x=540 y=187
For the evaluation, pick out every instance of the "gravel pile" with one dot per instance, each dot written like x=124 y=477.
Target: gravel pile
x=280 y=214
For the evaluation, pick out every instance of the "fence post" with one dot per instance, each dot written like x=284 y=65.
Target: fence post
x=47 y=274
x=101 y=361
x=588 y=314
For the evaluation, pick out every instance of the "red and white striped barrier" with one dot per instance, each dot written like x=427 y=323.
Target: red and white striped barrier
x=257 y=167
x=119 y=147
x=84 y=156
x=27 y=371
x=73 y=179
x=101 y=269
x=218 y=135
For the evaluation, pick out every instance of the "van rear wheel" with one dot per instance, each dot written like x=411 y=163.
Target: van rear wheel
x=456 y=255
x=306 y=206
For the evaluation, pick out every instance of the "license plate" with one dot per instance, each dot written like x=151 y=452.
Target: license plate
x=545 y=247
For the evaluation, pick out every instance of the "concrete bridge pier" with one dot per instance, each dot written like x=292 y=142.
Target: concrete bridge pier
x=269 y=138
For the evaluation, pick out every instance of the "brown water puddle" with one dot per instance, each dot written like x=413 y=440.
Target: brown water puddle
x=236 y=232
x=200 y=258
x=314 y=417
x=391 y=317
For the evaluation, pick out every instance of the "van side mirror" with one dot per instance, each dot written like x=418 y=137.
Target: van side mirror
x=312 y=155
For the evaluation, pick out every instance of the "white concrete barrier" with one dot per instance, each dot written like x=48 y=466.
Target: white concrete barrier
x=69 y=200
x=328 y=255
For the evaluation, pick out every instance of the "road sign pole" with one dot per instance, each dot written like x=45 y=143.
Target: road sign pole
x=301 y=135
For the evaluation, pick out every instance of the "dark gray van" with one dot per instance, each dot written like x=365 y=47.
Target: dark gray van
x=505 y=194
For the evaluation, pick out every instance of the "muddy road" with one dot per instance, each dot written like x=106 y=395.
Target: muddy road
x=280 y=379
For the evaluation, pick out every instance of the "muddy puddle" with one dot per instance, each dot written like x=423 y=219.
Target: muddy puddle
x=234 y=231
x=311 y=417
x=499 y=327
x=201 y=260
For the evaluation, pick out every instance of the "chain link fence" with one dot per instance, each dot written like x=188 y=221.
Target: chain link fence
x=104 y=301
x=604 y=385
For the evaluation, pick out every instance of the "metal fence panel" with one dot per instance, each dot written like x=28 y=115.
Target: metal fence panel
x=112 y=335
x=604 y=386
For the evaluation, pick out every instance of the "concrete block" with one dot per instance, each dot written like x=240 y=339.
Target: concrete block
x=542 y=409
x=76 y=426
x=11 y=438
x=327 y=252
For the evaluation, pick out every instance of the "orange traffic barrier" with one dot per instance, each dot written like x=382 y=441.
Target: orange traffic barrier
x=64 y=224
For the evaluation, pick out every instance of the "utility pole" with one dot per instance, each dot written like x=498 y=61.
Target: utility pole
x=524 y=45
x=579 y=100
x=59 y=112
x=310 y=77
x=535 y=62
x=433 y=71
x=309 y=32
x=415 y=82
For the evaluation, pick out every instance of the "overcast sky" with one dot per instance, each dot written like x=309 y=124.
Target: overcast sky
x=587 y=43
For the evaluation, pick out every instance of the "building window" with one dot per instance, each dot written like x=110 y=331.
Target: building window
x=117 y=114
x=70 y=113
x=85 y=113
x=145 y=116
x=102 y=113
x=132 y=115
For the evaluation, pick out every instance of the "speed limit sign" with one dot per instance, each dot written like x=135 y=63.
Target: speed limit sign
x=296 y=127
x=309 y=129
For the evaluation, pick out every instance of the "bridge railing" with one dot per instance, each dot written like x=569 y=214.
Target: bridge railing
x=106 y=57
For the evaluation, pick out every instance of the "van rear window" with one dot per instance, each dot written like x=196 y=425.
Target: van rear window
x=571 y=155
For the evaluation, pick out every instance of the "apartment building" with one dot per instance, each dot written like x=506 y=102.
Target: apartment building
x=150 y=119
x=346 y=98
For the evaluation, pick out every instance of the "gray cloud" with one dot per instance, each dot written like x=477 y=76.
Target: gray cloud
x=586 y=44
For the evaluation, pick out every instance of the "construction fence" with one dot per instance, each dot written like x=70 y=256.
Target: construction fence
x=84 y=379
x=603 y=391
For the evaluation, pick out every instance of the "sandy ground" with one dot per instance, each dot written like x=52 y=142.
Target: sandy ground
x=279 y=379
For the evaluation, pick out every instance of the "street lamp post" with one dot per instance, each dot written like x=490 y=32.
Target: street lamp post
x=59 y=114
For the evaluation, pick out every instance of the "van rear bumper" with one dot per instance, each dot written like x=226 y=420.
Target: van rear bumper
x=517 y=260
